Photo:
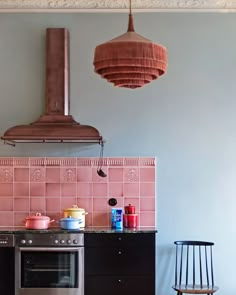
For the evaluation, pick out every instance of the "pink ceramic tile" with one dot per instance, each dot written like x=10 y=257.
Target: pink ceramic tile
x=84 y=162
x=37 y=189
x=131 y=174
x=67 y=202
x=84 y=174
x=19 y=218
x=147 y=161
x=37 y=204
x=53 y=204
x=52 y=175
x=131 y=189
x=147 y=218
x=147 y=204
x=131 y=162
x=100 y=204
x=86 y=203
x=37 y=161
x=114 y=162
x=147 y=189
x=6 y=189
x=6 y=218
x=84 y=190
x=21 y=189
x=6 y=204
x=21 y=204
x=6 y=174
x=116 y=174
x=53 y=162
x=69 y=162
x=147 y=174
x=21 y=161
x=101 y=219
x=88 y=220
x=6 y=161
x=68 y=175
x=21 y=174
x=115 y=189
x=97 y=178
x=68 y=189
x=53 y=189
x=100 y=190
x=37 y=174
x=133 y=202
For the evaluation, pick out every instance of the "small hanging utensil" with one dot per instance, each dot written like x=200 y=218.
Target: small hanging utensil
x=100 y=172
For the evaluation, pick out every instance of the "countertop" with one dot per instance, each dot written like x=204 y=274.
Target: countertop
x=14 y=230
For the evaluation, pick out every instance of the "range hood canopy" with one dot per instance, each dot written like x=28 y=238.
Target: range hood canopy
x=56 y=125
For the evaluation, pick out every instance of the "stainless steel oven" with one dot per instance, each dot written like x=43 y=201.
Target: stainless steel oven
x=49 y=264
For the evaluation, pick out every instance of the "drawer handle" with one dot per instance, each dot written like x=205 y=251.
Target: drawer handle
x=119 y=252
x=119 y=238
x=119 y=281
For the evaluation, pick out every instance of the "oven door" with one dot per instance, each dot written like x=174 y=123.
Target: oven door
x=49 y=271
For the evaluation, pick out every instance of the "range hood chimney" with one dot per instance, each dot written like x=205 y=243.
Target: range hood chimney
x=56 y=125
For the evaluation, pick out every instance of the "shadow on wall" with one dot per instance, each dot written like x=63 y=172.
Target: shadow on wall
x=165 y=269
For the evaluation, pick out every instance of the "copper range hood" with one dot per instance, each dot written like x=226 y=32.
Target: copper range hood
x=56 y=125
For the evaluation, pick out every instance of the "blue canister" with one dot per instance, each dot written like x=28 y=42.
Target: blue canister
x=70 y=223
x=117 y=218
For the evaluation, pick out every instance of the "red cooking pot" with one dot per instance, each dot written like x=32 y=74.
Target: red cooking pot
x=37 y=221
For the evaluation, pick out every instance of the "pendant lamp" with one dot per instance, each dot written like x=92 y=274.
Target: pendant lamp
x=130 y=60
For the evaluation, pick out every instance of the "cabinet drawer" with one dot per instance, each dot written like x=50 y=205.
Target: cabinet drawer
x=126 y=261
x=119 y=285
x=119 y=239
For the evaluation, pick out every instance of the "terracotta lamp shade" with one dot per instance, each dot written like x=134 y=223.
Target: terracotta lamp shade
x=130 y=60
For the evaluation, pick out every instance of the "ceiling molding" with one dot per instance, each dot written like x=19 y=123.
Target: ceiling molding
x=116 y=5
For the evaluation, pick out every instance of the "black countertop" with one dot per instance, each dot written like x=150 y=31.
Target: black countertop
x=15 y=230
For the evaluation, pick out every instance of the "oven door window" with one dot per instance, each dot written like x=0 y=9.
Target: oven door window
x=49 y=269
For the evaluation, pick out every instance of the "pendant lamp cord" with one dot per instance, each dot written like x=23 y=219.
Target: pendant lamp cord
x=131 y=22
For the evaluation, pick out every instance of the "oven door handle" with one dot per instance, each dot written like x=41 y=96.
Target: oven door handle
x=48 y=249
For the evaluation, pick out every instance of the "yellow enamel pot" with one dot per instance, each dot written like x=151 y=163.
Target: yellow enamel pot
x=76 y=212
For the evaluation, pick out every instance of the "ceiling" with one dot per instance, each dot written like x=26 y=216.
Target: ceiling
x=117 y=5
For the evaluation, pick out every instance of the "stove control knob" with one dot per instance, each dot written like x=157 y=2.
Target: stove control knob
x=68 y=241
x=30 y=241
x=75 y=242
x=23 y=241
x=62 y=241
x=56 y=242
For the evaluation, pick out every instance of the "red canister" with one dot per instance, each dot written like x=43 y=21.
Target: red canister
x=132 y=220
x=129 y=209
x=125 y=220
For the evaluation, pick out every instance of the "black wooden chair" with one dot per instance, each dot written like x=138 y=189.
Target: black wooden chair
x=194 y=268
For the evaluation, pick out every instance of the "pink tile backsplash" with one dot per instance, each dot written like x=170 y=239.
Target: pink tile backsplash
x=49 y=185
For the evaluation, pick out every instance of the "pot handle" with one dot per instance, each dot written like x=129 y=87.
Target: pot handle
x=85 y=213
x=51 y=221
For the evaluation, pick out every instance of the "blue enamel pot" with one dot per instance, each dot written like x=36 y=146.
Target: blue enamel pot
x=70 y=223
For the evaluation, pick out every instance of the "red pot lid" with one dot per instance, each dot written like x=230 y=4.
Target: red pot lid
x=38 y=216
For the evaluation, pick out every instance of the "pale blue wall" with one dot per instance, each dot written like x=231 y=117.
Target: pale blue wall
x=186 y=119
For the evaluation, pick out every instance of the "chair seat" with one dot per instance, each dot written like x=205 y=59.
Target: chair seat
x=197 y=289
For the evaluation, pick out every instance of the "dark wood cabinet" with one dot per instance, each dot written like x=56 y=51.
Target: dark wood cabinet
x=7 y=269
x=120 y=263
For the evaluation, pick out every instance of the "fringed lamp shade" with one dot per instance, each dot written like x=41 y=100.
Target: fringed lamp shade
x=130 y=60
